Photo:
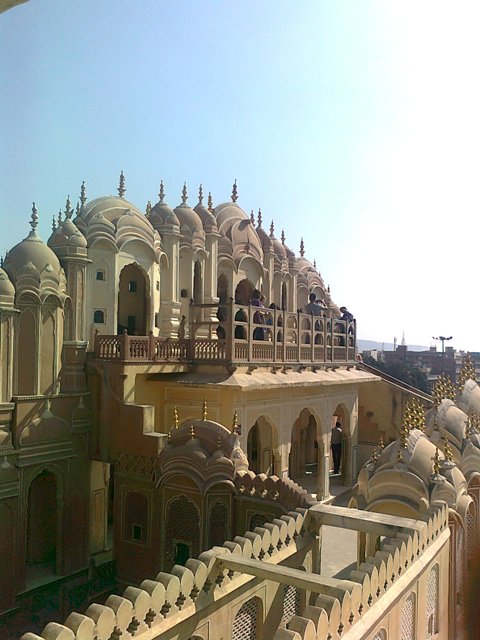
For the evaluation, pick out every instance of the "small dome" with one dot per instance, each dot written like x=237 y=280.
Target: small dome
x=32 y=253
x=188 y=218
x=207 y=218
x=66 y=236
x=7 y=290
x=245 y=239
x=161 y=214
x=229 y=211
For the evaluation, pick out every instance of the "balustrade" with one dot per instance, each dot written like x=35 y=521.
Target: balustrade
x=245 y=334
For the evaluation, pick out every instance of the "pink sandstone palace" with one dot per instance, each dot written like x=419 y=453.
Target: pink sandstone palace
x=165 y=468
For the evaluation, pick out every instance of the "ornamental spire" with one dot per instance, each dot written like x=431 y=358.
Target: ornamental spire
x=200 y=194
x=436 y=462
x=59 y=217
x=210 y=202
x=204 y=410
x=83 y=194
x=184 y=194
x=259 y=217
x=252 y=218
x=272 y=229
x=234 y=191
x=54 y=224
x=302 y=247
x=235 y=422
x=148 y=208
x=68 y=209
x=121 y=185
x=34 y=219
x=282 y=237
x=77 y=209
x=175 y=418
x=161 y=193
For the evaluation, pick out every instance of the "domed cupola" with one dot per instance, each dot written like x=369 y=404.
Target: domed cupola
x=7 y=290
x=206 y=214
x=66 y=238
x=32 y=264
x=245 y=240
x=227 y=212
x=115 y=219
x=161 y=216
x=191 y=226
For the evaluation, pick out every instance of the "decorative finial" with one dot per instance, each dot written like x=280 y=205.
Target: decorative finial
x=204 y=410
x=447 y=450
x=184 y=194
x=315 y=267
x=282 y=237
x=302 y=248
x=148 y=208
x=1 y=261
x=259 y=217
x=83 y=194
x=54 y=224
x=252 y=218
x=161 y=193
x=169 y=436
x=68 y=209
x=381 y=444
x=234 y=191
x=219 y=442
x=436 y=462
x=272 y=229
x=175 y=418
x=210 y=206
x=328 y=288
x=59 y=217
x=192 y=432
x=77 y=209
x=374 y=457
x=200 y=194
x=235 y=422
x=34 y=218
x=121 y=185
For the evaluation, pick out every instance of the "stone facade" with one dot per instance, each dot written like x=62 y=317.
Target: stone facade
x=156 y=426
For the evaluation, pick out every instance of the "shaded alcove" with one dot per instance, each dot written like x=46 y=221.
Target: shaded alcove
x=133 y=307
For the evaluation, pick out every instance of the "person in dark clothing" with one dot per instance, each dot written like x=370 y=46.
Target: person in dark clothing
x=336 y=444
x=258 y=318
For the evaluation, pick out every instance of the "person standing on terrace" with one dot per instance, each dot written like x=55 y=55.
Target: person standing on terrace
x=313 y=308
x=256 y=301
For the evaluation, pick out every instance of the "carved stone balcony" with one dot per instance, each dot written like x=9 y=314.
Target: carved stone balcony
x=242 y=335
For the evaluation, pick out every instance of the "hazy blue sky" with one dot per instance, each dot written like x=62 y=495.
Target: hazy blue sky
x=354 y=124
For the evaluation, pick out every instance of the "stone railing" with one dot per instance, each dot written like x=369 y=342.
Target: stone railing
x=244 y=335
x=284 y=491
x=171 y=604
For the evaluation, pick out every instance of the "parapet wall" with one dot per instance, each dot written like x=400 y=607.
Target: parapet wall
x=201 y=598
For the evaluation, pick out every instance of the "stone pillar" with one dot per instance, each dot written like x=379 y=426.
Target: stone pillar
x=323 y=471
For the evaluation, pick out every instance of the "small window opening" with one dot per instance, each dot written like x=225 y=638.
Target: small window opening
x=100 y=275
x=137 y=532
x=132 y=286
x=99 y=317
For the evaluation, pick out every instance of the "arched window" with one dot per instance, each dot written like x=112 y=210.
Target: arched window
x=431 y=611
x=99 y=317
x=407 y=620
x=257 y=520
x=182 y=533
x=42 y=523
x=246 y=621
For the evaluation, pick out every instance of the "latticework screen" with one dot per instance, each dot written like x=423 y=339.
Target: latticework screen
x=245 y=623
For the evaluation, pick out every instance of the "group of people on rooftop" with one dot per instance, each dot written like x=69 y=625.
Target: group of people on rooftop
x=314 y=307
